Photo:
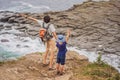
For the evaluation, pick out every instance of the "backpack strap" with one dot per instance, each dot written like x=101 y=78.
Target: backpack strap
x=46 y=28
x=43 y=25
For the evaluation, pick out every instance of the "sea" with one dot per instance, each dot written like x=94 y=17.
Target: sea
x=35 y=6
x=18 y=46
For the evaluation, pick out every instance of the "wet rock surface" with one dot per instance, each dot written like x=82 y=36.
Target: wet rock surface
x=92 y=24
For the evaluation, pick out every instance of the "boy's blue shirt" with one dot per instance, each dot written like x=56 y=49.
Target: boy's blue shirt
x=61 y=49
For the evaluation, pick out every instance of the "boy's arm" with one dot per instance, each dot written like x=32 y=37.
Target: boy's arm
x=31 y=18
x=68 y=35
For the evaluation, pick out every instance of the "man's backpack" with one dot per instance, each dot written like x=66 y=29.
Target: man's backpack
x=44 y=34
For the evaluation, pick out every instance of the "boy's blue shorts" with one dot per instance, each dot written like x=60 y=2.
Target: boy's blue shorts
x=61 y=60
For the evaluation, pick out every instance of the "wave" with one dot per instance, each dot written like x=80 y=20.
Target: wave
x=19 y=45
x=20 y=6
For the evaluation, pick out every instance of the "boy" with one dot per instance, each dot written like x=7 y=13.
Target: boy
x=61 y=55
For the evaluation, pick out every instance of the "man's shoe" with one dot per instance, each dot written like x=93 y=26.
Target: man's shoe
x=50 y=69
x=58 y=72
x=44 y=65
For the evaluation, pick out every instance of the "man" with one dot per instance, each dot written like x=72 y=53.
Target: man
x=50 y=44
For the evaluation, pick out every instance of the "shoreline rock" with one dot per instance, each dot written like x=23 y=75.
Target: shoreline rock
x=92 y=23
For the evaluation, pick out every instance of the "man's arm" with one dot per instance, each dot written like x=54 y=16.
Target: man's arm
x=54 y=34
x=31 y=18
x=52 y=29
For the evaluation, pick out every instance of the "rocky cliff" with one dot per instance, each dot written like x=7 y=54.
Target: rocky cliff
x=30 y=67
x=77 y=67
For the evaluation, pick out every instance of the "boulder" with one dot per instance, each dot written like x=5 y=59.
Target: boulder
x=7 y=25
x=11 y=20
x=4 y=40
x=1 y=26
x=74 y=55
x=4 y=19
x=20 y=27
x=33 y=33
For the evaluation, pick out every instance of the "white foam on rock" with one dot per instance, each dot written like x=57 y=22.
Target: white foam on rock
x=111 y=59
x=91 y=55
x=20 y=45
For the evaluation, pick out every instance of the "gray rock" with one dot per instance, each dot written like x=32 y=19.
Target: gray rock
x=11 y=20
x=32 y=28
x=1 y=27
x=18 y=45
x=26 y=46
x=6 y=25
x=108 y=50
x=32 y=33
x=19 y=20
x=4 y=19
x=16 y=15
x=4 y=40
x=20 y=27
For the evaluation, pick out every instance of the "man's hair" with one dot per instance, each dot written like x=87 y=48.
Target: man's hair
x=46 y=19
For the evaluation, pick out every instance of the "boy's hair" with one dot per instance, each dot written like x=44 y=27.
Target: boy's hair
x=46 y=19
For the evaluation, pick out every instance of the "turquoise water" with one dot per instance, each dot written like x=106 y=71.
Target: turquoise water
x=7 y=55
